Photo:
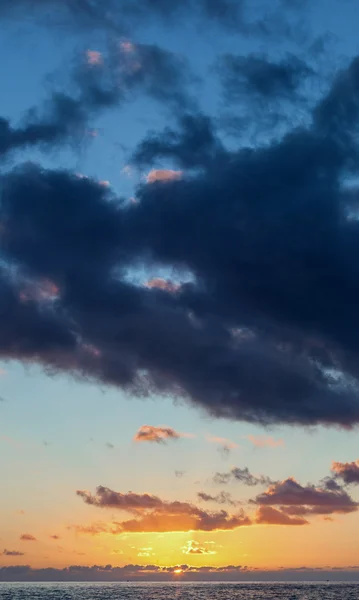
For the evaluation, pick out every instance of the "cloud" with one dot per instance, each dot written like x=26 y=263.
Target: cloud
x=299 y=500
x=162 y=284
x=264 y=81
x=221 y=498
x=348 y=472
x=179 y=474
x=260 y=266
x=267 y=515
x=243 y=476
x=265 y=441
x=64 y=116
x=109 y=446
x=158 y=435
x=163 y=175
x=101 y=83
x=224 y=442
x=167 y=573
x=55 y=537
x=27 y=537
x=128 y=15
x=145 y=552
x=193 y=547
x=155 y=515
x=12 y=553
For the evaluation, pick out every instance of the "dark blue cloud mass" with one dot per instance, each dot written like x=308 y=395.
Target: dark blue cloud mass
x=266 y=331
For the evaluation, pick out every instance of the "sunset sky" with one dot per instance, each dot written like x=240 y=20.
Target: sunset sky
x=179 y=289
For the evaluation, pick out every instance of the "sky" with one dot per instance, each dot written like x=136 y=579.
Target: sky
x=179 y=389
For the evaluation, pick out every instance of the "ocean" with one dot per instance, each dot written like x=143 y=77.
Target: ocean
x=179 y=591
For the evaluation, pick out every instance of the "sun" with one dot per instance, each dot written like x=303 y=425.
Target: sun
x=178 y=571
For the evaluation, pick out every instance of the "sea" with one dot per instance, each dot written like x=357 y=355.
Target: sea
x=179 y=591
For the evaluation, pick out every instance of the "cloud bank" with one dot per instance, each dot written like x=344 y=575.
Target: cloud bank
x=187 y=573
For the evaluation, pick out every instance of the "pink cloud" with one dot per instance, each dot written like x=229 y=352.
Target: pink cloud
x=163 y=175
x=224 y=442
x=94 y=58
x=163 y=284
x=265 y=441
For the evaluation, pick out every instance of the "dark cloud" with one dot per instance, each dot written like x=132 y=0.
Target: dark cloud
x=99 y=83
x=260 y=78
x=189 y=573
x=158 y=435
x=155 y=515
x=243 y=476
x=297 y=500
x=347 y=472
x=195 y=144
x=266 y=236
x=221 y=498
x=122 y=16
x=12 y=553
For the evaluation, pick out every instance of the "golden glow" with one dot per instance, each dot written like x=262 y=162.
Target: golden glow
x=178 y=571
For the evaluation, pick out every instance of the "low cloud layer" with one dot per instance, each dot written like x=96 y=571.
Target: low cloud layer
x=186 y=573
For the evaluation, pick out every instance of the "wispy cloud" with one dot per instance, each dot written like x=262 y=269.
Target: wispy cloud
x=225 y=445
x=193 y=547
x=265 y=441
x=242 y=476
x=12 y=553
x=221 y=498
x=27 y=537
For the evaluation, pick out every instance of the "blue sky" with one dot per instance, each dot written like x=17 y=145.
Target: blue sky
x=60 y=433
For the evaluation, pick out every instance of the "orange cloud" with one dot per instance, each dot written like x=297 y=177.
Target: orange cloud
x=158 y=435
x=155 y=515
x=264 y=441
x=163 y=175
x=267 y=515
